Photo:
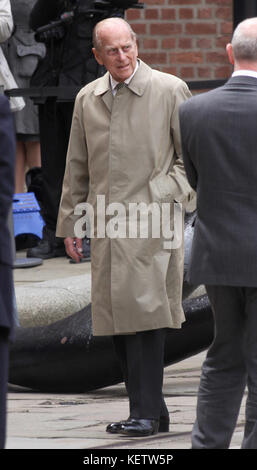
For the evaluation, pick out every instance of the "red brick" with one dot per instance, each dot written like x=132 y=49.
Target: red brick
x=205 y=13
x=185 y=43
x=184 y=2
x=149 y=43
x=216 y=57
x=223 y=72
x=170 y=70
x=154 y=57
x=186 y=13
x=201 y=28
x=154 y=2
x=222 y=41
x=165 y=28
x=185 y=37
x=186 y=57
x=219 y=2
x=204 y=72
x=139 y=28
x=225 y=13
x=187 y=72
x=152 y=14
x=133 y=15
x=168 y=14
x=204 y=43
x=169 y=43
x=226 y=27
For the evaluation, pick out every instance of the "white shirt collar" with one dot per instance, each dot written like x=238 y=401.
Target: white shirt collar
x=114 y=83
x=247 y=73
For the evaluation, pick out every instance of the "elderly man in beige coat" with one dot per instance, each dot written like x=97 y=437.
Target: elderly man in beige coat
x=125 y=149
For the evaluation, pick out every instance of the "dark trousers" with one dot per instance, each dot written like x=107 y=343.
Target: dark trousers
x=55 y=123
x=230 y=365
x=3 y=383
x=141 y=357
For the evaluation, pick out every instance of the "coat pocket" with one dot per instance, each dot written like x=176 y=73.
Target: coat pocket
x=161 y=188
x=29 y=57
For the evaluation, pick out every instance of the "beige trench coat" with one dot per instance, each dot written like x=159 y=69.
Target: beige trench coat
x=128 y=149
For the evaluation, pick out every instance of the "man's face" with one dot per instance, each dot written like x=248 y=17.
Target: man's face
x=118 y=52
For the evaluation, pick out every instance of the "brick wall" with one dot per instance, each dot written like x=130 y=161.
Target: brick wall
x=185 y=37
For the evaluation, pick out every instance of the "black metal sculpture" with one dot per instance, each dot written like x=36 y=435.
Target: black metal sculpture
x=65 y=357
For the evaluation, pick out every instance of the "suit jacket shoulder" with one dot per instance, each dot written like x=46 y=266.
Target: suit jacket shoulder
x=219 y=140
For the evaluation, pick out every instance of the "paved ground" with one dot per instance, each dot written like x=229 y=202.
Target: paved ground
x=78 y=421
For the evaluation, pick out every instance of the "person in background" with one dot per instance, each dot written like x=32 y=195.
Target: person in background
x=23 y=53
x=6 y=28
x=219 y=142
x=6 y=20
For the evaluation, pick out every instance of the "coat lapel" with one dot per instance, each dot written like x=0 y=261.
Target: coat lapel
x=103 y=89
x=141 y=78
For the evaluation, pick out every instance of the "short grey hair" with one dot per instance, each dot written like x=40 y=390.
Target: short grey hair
x=244 y=40
x=97 y=43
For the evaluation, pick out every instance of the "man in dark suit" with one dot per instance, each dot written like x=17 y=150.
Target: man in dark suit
x=7 y=159
x=219 y=141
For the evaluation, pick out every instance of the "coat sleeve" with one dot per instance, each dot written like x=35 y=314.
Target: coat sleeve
x=189 y=165
x=76 y=179
x=6 y=20
x=182 y=191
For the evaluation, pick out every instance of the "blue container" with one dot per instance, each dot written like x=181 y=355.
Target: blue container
x=26 y=215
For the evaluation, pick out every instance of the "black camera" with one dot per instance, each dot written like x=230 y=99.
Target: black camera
x=89 y=9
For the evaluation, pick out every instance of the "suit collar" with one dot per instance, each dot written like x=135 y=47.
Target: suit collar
x=242 y=80
x=247 y=73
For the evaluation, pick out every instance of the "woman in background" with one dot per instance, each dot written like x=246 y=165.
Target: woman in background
x=23 y=53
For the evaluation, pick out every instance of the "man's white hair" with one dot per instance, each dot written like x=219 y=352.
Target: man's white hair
x=112 y=22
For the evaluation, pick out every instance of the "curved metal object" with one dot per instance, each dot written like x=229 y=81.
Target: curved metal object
x=188 y=238
x=65 y=357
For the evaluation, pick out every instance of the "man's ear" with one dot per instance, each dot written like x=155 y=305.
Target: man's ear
x=230 y=54
x=98 y=56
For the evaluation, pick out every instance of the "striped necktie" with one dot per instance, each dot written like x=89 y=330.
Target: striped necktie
x=120 y=86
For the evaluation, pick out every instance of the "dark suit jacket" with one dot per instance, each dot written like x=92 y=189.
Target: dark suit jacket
x=219 y=141
x=7 y=159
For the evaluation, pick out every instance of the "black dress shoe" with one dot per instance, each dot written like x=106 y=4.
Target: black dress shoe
x=114 y=428
x=140 y=427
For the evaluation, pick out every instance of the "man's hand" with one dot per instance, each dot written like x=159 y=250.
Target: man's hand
x=73 y=248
